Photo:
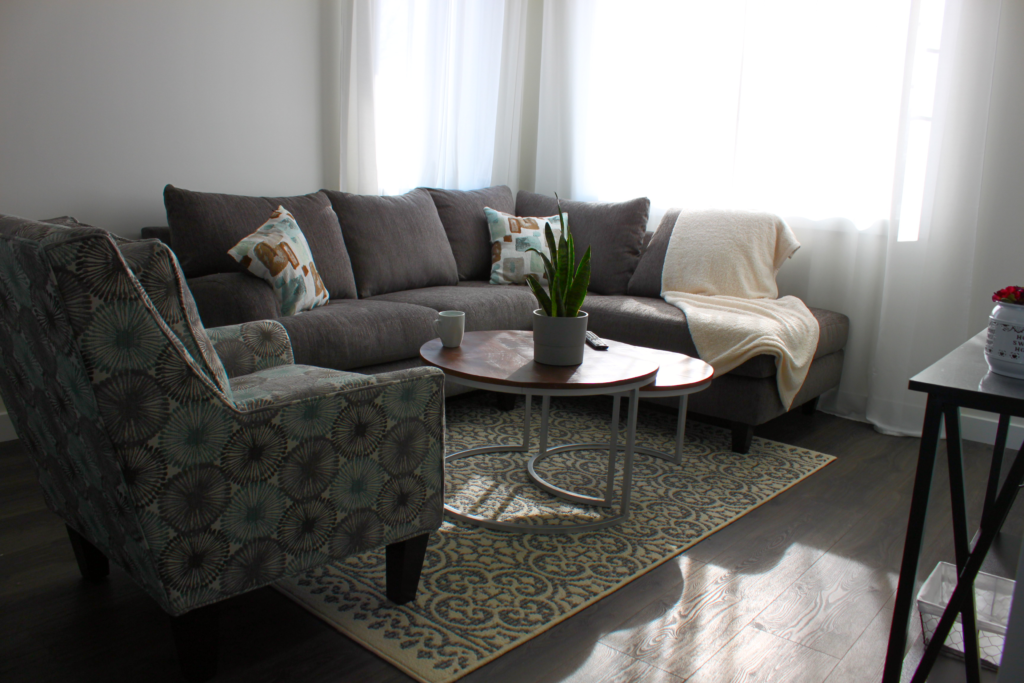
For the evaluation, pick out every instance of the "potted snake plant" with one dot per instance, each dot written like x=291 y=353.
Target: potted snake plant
x=559 y=326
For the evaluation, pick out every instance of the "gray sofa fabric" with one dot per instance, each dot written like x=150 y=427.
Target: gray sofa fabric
x=615 y=233
x=396 y=243
x=487 y=306
x=429 y=250
x=159 y=232
x=646 y=280
x=233 y=298
x=652 y=322
x=462 y=215
x=353 y=333
x=204 y=226
x=754 y=401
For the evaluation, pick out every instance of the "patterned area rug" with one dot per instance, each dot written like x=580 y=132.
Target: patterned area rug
x=483 y=592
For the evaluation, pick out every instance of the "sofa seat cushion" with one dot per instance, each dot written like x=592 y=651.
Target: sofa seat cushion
x=462 y=215
x=647 y=321
x=395 y=242
x=487 y=306
x=285 y=383
x=204 y=226
x=614 y=231
x=352 y=333
x=233 y=298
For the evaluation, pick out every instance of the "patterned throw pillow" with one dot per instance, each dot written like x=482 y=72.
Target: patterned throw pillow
x=278 y=253
x=511 y=236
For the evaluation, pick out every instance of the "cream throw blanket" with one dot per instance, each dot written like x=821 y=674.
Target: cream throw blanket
x=720 y=270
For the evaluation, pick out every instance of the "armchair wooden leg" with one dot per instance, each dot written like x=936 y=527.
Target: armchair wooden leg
x=196 y=640
x=810 y=407
x=742 y=436
x=93 y=564
x=404 y=562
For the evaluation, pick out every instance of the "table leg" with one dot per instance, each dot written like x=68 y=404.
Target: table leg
x=545 y=409
x=912 y=544
x=526 y=422
x=680 y=429
x=613 y=447
x=989 y=530
x=627 y=463
x=961 y=541
x=996 y=468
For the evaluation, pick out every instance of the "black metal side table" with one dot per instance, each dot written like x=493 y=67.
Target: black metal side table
x=959 y=380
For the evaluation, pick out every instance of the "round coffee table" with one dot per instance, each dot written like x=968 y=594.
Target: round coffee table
x=678 y=375
x=503 y=361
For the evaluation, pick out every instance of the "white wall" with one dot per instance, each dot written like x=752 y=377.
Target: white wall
x=999 y=253
x=999 y=250
x=104 y=102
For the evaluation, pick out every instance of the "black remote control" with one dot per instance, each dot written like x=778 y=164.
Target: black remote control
x=596 y=342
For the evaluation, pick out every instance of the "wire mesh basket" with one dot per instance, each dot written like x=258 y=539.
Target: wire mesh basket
x=992 y=596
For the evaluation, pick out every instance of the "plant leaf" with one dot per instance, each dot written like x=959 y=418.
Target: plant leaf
x=578 y=290
x=549 y=268
x=538 y=291
x=550 y=238
x=563 y=269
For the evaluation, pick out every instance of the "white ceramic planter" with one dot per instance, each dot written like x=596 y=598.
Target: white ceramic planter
x=1004 y=347
x=559 y=341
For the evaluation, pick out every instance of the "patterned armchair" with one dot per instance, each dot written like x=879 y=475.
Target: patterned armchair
x=203 y=462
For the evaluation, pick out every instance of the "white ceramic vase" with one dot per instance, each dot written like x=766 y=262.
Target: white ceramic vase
x=1004 y=347
x=559 y=341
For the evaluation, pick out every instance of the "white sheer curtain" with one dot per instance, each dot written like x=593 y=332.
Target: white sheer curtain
x=419 y=93
x=810 y=109
x=783 y=105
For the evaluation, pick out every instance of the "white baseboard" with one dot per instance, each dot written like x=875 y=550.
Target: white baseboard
x=7 y=432
x=982 y=428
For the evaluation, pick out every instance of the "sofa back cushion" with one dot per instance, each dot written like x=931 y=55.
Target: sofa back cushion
x=614 y=232
x=646 y=280
x=233 y=298
x=396 y=243
x=204 y=226
x=462 y=215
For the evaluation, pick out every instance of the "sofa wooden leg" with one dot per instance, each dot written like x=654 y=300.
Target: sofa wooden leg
x=196 y=639
x=404 y=564
x=93 y=564
x=810 y=407
x=506 y=402
x=742 y=436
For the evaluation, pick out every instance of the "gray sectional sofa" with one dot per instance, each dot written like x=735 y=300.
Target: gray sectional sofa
x=391 y=263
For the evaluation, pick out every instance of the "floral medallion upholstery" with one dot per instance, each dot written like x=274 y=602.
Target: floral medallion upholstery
x=253 y=346
x=200 y=487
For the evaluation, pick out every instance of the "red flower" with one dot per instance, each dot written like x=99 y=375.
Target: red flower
x=1009 y=295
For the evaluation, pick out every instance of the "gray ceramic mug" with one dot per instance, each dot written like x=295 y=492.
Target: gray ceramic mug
x=450 y=326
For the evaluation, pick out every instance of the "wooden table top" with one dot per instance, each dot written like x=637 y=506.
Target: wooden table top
x=505 y=357
x=676 y=371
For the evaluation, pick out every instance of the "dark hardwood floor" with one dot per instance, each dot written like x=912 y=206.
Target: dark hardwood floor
x=800 y=589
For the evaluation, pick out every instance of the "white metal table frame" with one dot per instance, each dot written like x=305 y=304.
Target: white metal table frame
x=676 y=457
x=630 y=390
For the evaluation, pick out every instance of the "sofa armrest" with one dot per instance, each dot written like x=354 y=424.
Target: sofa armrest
x=250 y=347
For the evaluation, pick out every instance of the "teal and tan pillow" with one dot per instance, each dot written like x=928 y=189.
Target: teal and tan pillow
x=511 y=237
x=278 y=253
